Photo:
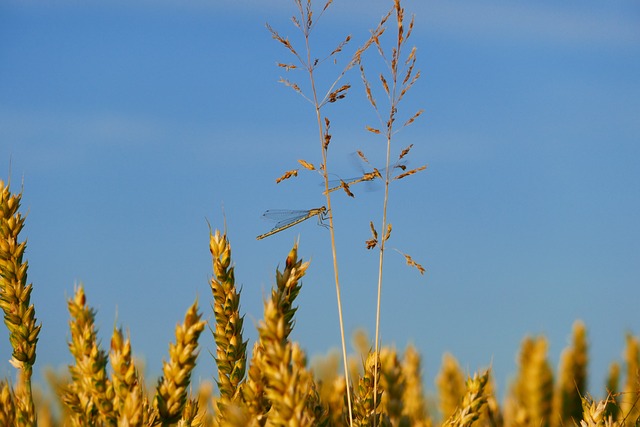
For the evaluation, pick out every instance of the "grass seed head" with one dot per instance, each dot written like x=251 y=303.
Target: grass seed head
x=287 y=175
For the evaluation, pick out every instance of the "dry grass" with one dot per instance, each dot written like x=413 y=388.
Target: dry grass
x=277 y=386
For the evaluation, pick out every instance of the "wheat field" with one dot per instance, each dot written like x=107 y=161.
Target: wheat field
x=271 y=382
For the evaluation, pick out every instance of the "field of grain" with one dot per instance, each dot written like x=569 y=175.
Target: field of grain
x=270 y=382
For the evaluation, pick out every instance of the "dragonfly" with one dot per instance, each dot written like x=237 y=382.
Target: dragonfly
x=288 y=218
x=340 y=184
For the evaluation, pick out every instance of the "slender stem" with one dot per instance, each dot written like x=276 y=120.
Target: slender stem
x=389 y=133
x=331 y=228
x=381 y=263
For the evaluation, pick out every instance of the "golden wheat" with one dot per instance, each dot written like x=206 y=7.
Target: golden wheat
x=472 y=402
x=366 y=405
x=450 y=382
x=415 y=408
x=572 y=382
x=172 y=389
x=90 y=393
x=15 y=297
x=231 y=350
x=277 y=388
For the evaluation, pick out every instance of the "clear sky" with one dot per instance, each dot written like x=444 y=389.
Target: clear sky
x=131 y=123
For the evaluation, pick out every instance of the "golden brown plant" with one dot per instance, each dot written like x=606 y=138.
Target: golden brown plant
x=630 y=398
x=289 y=386
x=533 y=390
x=305 y=21
x=172 y=389
x=366 y=404
x=398 y=78
x=472 y=403
x=128 y=396
x=191 y=416
x=415 y=408
x=15 y=298
x=254 y=404
x=7 y=406
x=595 y=414
x=612 y=388
x=572 y=377
x=393 y=382
x=90 y=393
x=231 y=350
x=491 y=414
x=330 y=386
x=451 y=387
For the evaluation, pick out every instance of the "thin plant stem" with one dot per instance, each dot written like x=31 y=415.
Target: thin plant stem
x=380 y=265
x=331 y=228
x=393 y=105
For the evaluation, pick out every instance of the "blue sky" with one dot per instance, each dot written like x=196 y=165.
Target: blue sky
x=131 y=124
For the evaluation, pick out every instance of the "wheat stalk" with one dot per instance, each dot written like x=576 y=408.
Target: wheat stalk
x=595 y=414
x=90 y=394
x=366 y=411
x=572 y=377
x=533 y=390
x=451 y=388
x=7 y=405
x=231 y=350
x=472 y=403
x=255 y=404
x=305 y=22
x=288 y=384
x=393 y=382
x=400 y=78
x=15 y=297
x=128 y=400
x=191 y=416
x=171 y=392
x=630 y=397
x=613 y=383
x=414 y=408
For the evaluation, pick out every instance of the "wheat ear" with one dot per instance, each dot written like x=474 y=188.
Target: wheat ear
x=288 y=384
x=415 y=407
x=572 y=377
x=450 y=383
x=128 y=399
x=533 y=390
x=171 y=392
x=393 y=383
x=472 y=403
x=595 y=414
x=366 y=411
x=630 y=398
x=231 y=350
x=90 y=394
x=191 y=415
x=7 y=406
x=612 y=388
x=15 y=297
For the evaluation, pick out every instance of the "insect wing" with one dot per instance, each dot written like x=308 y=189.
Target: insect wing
x=284 y=217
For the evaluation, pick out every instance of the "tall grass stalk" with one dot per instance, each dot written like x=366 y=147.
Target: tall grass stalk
x=305 y=22
x=400 y=77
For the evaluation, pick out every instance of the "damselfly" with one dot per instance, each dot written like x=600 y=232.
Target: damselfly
x=339 y=184
x=288 y=218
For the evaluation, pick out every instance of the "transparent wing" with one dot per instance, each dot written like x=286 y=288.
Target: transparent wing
x=284 y=217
